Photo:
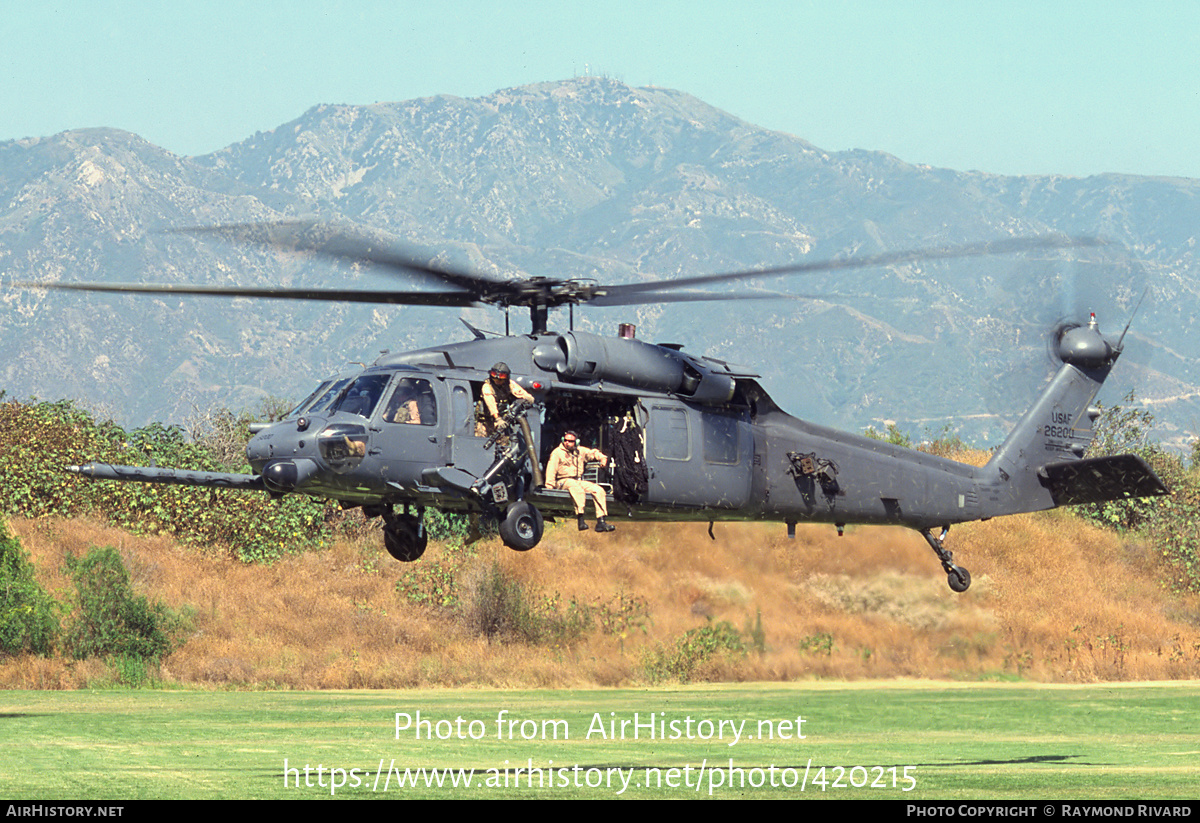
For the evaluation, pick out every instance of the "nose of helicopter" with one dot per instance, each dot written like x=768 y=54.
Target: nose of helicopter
x=281 y=442
x=286 y=475
x=293 y=453
x=263 y=446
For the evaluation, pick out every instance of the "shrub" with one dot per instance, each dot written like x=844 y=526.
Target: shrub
x=495 y=603
x=28 y=616
x=435 y=581
x=498 y=606
x=1171 y=523
x=817 y=644
x=942 y=443
x=892 y=434
x=110 y=620
x=691 y=651
x=39 y=440
x=1127 y=430
x=224 y=433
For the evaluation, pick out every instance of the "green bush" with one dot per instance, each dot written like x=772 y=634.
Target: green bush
x=499 y=606
x=37 y=442
x=28 y=616
x=690 y=652
x=435 y=581
x=1171 y=524
x=817 y=644
x=111 y=621
x=942 y=443
x=892 y=434
x=1128 y=430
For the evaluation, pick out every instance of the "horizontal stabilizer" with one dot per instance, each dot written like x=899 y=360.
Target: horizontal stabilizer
x=1098 y=479
x=178 y=477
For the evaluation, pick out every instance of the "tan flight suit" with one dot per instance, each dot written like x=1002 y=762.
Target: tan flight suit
x=407 y=413
x=564 y=470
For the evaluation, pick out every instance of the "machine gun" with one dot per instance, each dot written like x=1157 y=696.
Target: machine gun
x=505 y=479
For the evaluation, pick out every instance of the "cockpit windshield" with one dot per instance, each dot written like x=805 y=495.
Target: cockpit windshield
x=361 y=396
x=325 y=393
x=303 y=404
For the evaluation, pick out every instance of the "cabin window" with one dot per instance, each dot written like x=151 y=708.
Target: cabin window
x=720 y=438
x=669 y=433
x=303 y=404
x=460 y=401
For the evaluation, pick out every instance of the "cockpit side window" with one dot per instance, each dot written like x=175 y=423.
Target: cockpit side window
x=363 y=394
x=412 y=402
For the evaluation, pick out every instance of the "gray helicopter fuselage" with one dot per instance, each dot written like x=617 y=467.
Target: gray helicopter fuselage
x=715 y=446
x=690 y=439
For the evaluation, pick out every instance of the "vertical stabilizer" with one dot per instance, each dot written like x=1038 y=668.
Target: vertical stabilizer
x=1056 y=430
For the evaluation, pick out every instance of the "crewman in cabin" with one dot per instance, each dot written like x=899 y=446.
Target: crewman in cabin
x=498 y=394
x=564 y=470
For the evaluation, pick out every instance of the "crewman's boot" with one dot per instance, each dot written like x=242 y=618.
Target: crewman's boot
x=583 y=525
x=603 y=525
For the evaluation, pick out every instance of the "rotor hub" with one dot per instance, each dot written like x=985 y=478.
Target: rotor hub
x=1085 y=347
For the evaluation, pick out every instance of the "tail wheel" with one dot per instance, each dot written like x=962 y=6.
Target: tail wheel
x=959 y=579
x=405 y=538
x=521 y=529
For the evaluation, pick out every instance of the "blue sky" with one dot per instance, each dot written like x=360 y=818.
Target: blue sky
x=1073 y=88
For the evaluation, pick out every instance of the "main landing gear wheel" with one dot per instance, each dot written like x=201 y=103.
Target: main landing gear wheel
x=521 y=529
x=405 y=538
x=958 y=577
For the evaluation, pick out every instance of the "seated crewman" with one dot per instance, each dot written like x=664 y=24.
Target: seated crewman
x=564 y=470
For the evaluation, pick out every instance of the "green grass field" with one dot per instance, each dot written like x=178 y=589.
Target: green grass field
x=940 y=741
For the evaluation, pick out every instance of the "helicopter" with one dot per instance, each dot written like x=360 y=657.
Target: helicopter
x=702 y=439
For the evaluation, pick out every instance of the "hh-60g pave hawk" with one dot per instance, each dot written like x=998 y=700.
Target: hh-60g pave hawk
x=701 y=439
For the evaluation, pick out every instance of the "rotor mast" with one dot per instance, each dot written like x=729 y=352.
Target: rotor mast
x=539 y=317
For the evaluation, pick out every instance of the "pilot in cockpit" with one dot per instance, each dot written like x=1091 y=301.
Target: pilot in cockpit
x=403 y=406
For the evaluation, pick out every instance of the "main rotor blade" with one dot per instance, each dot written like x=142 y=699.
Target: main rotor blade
x=992 y=247
x=332 y=241
x=651 y=297
x=410 y=298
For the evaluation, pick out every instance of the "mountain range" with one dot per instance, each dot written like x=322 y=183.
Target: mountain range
x=588 y=178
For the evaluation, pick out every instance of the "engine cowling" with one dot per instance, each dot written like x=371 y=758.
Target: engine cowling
x=580 y=357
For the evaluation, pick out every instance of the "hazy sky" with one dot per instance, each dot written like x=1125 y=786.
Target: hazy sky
x=1040 y=87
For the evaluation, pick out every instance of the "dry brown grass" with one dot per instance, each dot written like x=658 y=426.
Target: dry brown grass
x=1053 y=599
